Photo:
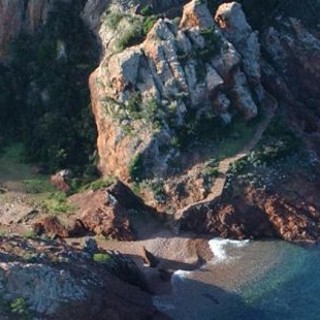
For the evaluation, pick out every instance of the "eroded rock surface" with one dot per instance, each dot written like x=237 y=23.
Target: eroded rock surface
x=55 y=281
x=109 y=211
x=295 y=53
x=276 y=208
x=144 y=94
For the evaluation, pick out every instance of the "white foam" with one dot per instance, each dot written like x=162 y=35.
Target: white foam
x=218 y=247
x=179 y=275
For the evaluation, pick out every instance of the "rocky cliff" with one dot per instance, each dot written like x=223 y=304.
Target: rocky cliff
x=215 y=125
x=46 y=56
x=179 y=93
x=164 y=84
x=51 y=280
x=144 y=95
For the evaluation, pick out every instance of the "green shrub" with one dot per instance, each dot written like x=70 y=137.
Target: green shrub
x=99 y=184
x=153 y=113
x=38 y=185
x=211 y=172
x=112 y=19
x=57 y=203
x=136 y=168
x=101 y=258
x=19 y=306
x=133 y=106
x=213 y=42
x=146 y=11
x=136 y=31
x=136 y=188
x=133 y=35
x=158 y=190
x=279 y=141
x=59 y=130
x=148 y=23
x=30 y=234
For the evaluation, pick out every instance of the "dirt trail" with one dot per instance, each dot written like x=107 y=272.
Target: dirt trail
x=224 y=165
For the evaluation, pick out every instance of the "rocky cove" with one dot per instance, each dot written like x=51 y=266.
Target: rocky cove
x=163 y=125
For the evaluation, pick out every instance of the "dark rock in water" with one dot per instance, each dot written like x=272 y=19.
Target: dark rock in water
x=126 y=270
x=165 y=275
x=211 y=297
x=149 y=258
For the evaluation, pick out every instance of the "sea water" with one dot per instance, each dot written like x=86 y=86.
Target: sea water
x=248 y=280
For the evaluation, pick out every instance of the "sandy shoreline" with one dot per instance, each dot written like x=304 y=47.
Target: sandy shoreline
x=183 y=252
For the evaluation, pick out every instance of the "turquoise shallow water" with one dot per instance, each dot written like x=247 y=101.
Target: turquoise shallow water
x=267 y=280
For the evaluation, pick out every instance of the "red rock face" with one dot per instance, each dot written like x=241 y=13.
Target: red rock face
x=113 y=154
x=162 y=71
x=59 y=182
x=101 y=213
x=257 y=214
x=50 y=226
x=294 y=221
x=15 y=18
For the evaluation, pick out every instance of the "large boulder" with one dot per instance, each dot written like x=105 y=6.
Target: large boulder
x=60 y=180
x=233 y=23
x=107 y=211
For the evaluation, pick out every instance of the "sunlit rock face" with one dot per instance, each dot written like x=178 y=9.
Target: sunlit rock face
x=142 y=94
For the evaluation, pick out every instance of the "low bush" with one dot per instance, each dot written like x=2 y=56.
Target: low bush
x=101 y=258
x=132 y=35
x=136 y=168
x=112 y=19
x=58 y=203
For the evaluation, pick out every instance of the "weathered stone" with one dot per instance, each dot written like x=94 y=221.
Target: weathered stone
x=235 y=27
x=196 y=14
x=295 y=53
x=59 y=181
x=55 y=281
x=101 y=213
x=149 y=258
x=256 y=214
x=50 y=226
x=242 y=98
x=163 y=78
x=93 y=11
